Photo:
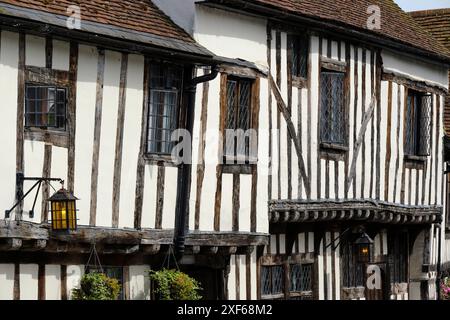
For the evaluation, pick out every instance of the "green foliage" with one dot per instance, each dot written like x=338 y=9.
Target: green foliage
x=96 y=286
x=175 y=285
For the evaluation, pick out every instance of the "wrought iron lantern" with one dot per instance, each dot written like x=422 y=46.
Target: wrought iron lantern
x=363 y=246
x=63 y=210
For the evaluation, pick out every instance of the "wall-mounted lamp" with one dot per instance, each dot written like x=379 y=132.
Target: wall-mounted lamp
x=62 y=203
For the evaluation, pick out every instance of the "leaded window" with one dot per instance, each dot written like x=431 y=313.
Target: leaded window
x=332 y=110
x=418 y=124
x=238 y=139
x=165 y=90
x=45 y=106
x=301 y=281
x=299 y=46
x=398 y=257
x=352 y=270
x=272 y=280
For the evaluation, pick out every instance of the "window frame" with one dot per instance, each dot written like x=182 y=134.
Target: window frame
x=294 y=39
x=46 y=128
x=331 y=108
x=235 y=164
x=287 y=261
x=416 y=156
x=156 y=156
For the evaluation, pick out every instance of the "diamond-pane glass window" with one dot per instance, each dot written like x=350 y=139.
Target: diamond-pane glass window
x=301 y=276
x=272 y=280
x=299 y=45
x=418 y=124
x=165 y=87
x=45 y=107
x=237 y=138
x=332 y=111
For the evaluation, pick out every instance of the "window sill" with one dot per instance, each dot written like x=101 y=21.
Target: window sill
x=58 y=138
x=159 y=159
x=238 y=168
x=415 y=158
x=299 y=82
x=333 y=147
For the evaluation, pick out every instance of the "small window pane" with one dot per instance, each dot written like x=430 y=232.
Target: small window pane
x=332 y=120
x=272 y=280
x=45 y=106
x=165 y=84
x=301 y=279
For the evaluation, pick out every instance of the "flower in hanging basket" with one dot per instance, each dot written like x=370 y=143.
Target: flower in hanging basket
x=174 y=285
x=96 y=286
x=445 y=288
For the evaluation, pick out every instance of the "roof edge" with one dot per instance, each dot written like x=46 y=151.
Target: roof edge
x=429 y=12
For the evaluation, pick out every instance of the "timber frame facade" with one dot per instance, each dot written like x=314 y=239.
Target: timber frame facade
x=349 y=128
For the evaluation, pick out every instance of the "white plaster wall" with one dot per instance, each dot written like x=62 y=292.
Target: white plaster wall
x=415 y=68
x=170 y=198
x=61 y=55
x=245 y=198
x=9 y=57
x=59 y=166
x=149 y=202
x=34 y=51
x=226 y=209
x=6 y=281
x=29 y=281
x=131 y=139
x=53 y=282
x=223 y=33
x=108 y=137
x=87 y=84
x=139 y=283
x=33 y=165
x=74 y=274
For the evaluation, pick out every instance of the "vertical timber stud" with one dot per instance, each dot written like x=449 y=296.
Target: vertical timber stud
x=48 y=52
x=388 y=143
x=126 y=283
x=289 y=107
x=46 y=171
x=41 y=282
x=160 y=196
x=269 y=63
x=236 y=200
x=379 y=70
x=97 y=133
x=219 y=168
x=140 y=175
x=71 y=119
x=318 y=160
x=20 y=120
x=64 y=282
x=363 y=110
x=278 y=77
x=248 y=282
x=372 y=141
x=119 y=141
x=201 y=154
x=347 y=112
x=16 y=289
x=355 y=109
x=255 y=125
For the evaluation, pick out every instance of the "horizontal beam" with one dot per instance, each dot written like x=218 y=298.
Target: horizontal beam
x=282 y=211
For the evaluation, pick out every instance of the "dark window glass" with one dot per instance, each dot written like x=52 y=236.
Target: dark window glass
x=238 y=116
x=332 y=112
x=45 y=107
x=352 y=270
x=272 y=280
x=165 y=87
x=398 y=257
x=299 y=46
x=418 y=124
x=301 y=276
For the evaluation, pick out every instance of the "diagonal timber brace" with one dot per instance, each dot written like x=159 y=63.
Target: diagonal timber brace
x=291 y=129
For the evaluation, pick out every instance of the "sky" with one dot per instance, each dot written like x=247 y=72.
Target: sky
x=413 y=5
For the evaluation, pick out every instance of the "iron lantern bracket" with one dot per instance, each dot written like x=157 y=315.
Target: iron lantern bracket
x=20 y=178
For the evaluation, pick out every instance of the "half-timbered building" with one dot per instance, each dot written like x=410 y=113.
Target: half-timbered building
x=437 y=23
x=349 y=144
x=315 y=164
